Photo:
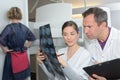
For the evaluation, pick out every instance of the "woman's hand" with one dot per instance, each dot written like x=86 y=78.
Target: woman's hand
x=40 y=57
x=61 y=61
x=97 y=77
x=5 y=49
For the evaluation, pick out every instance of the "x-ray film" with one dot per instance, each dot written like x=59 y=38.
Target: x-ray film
x=48 y=49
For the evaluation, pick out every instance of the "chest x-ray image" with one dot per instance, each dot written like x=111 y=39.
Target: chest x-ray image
x=47 y=48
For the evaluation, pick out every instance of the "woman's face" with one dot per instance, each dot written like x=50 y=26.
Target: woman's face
x=70 y=36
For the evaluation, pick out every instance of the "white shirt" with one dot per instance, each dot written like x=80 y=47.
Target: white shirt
x=111 y=49
x=80 y=59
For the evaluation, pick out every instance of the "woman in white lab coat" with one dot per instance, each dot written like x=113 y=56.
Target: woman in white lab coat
x=104 y=41
x=74 y=57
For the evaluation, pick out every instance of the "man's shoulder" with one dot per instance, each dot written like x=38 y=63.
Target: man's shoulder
x=115 y=29
x=115 y=33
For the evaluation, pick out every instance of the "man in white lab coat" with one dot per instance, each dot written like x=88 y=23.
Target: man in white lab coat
x=104 y=41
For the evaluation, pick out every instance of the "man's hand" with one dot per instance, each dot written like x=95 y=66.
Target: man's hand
x=97 y=77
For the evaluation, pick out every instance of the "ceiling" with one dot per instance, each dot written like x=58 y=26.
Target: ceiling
x=33 y=4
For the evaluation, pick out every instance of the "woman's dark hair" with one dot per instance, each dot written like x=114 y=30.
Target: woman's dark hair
x=70 y=23
x=14 y=13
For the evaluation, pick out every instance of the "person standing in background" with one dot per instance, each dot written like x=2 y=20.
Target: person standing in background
x=104 y=41
x=73 y=57
x=14 y=41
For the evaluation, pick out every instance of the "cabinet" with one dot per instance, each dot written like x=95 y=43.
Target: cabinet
x=36 y=72
x=33 y=66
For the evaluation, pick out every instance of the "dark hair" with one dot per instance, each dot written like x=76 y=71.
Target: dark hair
x=70 y=23
x=14 y=13
x=99 y=15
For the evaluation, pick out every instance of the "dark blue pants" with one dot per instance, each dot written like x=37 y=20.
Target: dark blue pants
x=8 y=73
x=7 y=70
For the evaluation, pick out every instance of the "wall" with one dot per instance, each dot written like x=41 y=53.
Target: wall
x=54 y=14
x=4 y=6
x=115 y=18
x=115 y=14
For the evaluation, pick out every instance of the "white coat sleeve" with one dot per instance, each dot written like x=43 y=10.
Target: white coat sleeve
x=71 y=74
x=50 y=76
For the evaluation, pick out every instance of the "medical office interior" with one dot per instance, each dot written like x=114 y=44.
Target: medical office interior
x=54 y=12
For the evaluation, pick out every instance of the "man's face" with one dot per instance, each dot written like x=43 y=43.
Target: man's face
x=91 y=29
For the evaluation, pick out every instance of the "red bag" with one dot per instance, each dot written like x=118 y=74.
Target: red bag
x=20 y=61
